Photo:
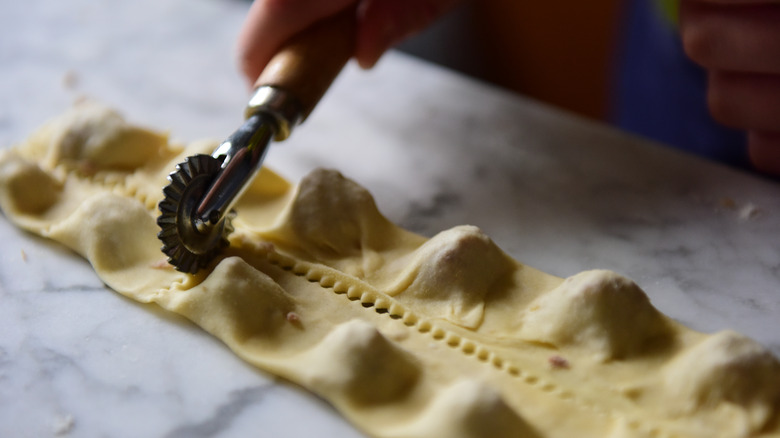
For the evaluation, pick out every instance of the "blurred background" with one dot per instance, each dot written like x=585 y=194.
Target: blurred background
x=616 y=61
x=559 y=53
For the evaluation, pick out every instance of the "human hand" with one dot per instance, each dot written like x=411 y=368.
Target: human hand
x=380 y=25
x=738 y=42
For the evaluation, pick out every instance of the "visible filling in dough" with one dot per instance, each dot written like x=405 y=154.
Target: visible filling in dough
x=406 y=336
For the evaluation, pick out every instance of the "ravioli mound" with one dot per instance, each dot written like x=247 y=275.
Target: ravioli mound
x=405 y=336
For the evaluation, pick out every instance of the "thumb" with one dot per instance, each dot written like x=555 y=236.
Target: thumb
x=385 y=23
x=271 y=23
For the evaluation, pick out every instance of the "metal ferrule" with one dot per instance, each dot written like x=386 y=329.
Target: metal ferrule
x=279 y=104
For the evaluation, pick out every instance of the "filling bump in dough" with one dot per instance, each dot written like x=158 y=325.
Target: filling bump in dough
x=405 y=336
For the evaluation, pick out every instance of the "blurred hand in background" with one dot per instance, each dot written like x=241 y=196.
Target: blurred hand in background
x=738 y=43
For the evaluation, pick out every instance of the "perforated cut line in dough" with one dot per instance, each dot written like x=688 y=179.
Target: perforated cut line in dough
x=373 y=300
x=382 y=304
x=406 y=336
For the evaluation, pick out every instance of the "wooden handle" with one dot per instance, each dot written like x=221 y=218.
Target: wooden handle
x=308 y=63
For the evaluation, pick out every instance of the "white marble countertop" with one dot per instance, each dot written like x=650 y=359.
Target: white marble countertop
x=556 y=192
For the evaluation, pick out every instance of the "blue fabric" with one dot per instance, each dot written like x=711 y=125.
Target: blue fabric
x=659 y=93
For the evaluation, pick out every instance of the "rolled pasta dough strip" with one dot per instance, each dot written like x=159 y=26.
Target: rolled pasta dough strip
x=405 y=336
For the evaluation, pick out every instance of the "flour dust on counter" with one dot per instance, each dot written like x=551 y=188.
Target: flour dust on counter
x=406 y=336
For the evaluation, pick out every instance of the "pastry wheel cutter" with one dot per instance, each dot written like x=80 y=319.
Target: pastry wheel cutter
x=196 y=212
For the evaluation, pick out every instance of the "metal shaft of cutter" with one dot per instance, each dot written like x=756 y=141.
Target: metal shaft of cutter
x=271 y=114
x=242 y=156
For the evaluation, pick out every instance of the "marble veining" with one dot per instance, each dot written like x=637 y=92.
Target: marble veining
x=222 y=417
x=554 y=191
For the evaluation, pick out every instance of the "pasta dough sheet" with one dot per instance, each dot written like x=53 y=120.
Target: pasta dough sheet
x=405 y=336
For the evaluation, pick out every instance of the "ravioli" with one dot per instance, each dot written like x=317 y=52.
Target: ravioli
x=405 y=336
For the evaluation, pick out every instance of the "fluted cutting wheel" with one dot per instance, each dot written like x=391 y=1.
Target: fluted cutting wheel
x=189 y=249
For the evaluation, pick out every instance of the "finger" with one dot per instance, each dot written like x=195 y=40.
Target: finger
x=732 y=36
x=744 y=100
x=764 y=151
x=385 y=23
x=270 y=23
